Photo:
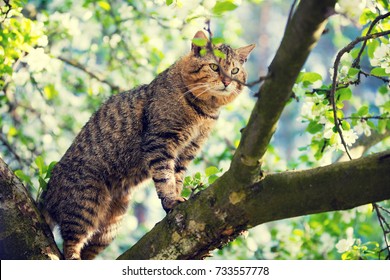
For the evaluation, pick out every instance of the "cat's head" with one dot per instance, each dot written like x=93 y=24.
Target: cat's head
x=219 y=75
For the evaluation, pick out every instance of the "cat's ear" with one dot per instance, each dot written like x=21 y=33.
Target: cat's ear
x=243 y=52
x=201 y=39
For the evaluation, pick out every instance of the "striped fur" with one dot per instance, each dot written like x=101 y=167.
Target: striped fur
x=153 y=131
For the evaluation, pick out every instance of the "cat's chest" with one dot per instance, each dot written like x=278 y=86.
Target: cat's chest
x=201 y=129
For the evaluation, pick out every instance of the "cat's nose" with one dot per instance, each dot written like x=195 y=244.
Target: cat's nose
x=226 y=82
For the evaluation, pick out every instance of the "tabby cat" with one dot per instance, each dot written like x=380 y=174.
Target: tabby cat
x=152 y=131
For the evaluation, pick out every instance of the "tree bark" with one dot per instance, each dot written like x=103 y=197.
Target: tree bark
x=24 y=235
x=303 y=31
x=221 y=212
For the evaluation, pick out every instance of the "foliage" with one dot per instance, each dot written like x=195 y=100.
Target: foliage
x=60 y=60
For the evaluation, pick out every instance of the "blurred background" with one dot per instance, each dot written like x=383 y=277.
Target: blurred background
x=62 y=59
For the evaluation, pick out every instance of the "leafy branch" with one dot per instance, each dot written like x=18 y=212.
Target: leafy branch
x=6 y=12
x=356 y=62
x=334 y=86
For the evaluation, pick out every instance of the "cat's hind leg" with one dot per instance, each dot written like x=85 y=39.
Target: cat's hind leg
x=81 y=217
x=107 y=229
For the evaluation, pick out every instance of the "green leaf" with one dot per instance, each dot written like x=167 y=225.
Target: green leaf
x=50 y=169
x=50 y=91
x=386 y=106
x=186 y=192
x=169 y=2
x=217 y=40
x=345 y=125
x=339 y=105
x=187 y=181
x=310 y=77
x=212 y=170
x=104 y=5
x=382 y=124
x=12 y=131
x=220 y=54
x=380 y=72
x=41 y=165
x=198 y=177
x=223 y=6
x=383 y=89
x=343 y=94
x=353 y=71
x=371 y=47
x=23 y=177
x=200 y=42
x=42 y=183
x=314 y=127
x=363 y=111
x=212 y=179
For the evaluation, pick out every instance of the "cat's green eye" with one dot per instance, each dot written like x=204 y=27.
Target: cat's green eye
x=235 y=70
x=214 y=66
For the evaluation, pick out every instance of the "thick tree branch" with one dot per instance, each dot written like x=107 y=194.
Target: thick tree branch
x=302 y=33
x=23 y=232
x=220 y=213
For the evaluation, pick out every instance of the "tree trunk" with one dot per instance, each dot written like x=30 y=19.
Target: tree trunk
x=24 y=235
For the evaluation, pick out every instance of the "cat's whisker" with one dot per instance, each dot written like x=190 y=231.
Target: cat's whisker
x=195 y=88
x=194 y=84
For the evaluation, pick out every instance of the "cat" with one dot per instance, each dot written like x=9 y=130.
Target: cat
x=152 y=131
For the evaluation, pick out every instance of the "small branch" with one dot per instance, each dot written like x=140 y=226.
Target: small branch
x=90 y=73
x=366 y=118
x=13 y=152
x=384 y=225
x=346 y=49
x=373 y=23
x=9 y=8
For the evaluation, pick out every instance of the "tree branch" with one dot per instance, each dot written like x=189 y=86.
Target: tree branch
x=81 y=67
x=221 y=212
x=302 y=33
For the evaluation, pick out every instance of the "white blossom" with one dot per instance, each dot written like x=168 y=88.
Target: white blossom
x=37 y=59
x=335 y=140
x=343 y=69
x=382 y=57
x=344 y=245
x=351 y=8
x=362 y=127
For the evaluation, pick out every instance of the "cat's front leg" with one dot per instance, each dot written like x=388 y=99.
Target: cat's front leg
x=163 y=174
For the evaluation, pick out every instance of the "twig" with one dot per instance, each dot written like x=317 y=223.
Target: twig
x=13 y=152
x=9 y=8
x=366 y=118
x=81 y=67
x=346 y=49
x=385 y=227
x=356 y=62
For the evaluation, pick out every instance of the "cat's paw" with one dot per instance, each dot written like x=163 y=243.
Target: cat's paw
x=169 y=203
